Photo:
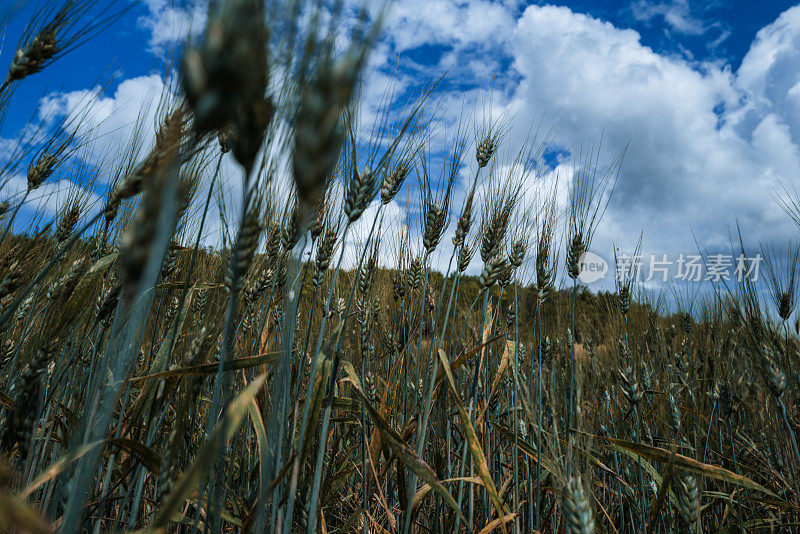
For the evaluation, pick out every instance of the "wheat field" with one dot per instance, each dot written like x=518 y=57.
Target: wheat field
x=287 y=377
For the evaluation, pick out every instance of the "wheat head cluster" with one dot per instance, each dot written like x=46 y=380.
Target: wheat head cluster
x=313 y=371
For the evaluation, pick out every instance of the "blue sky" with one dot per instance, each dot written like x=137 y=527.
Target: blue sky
x=142 y=41
x=707 y=30
x=706 y=94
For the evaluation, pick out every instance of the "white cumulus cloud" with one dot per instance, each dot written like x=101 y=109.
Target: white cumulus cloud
x=707 y=144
